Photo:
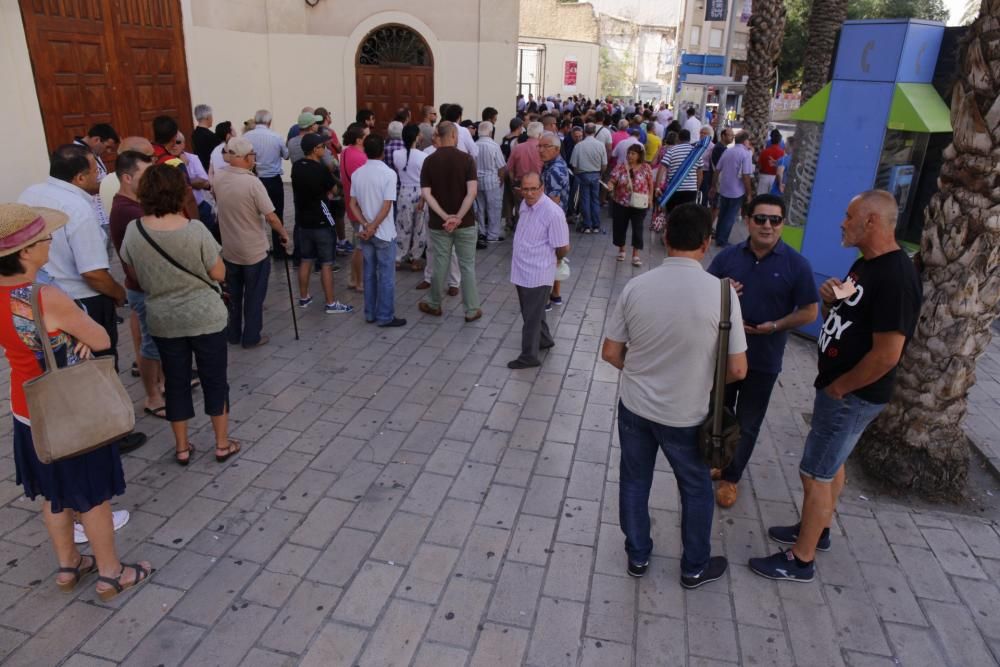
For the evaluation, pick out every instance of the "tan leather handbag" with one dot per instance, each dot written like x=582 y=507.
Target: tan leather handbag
x=74 y=409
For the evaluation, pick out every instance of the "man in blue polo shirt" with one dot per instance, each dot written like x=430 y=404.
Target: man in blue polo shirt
x=777 y=293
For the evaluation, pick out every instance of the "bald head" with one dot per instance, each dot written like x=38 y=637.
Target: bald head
x=880 y=205
x=137 y=144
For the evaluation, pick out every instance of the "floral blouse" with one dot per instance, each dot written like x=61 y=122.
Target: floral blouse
x=622 y=186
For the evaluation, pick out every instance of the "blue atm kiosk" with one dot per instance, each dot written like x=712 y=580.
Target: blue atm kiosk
x=877 y=115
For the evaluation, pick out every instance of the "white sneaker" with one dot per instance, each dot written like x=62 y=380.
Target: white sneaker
x=119 y=518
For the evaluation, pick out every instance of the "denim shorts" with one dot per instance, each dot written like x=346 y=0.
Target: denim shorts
x=147 y=347
x=836 y=428
x=318 y=244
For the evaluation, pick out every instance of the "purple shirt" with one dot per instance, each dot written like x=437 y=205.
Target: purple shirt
x=733 y=165
x=540 y=230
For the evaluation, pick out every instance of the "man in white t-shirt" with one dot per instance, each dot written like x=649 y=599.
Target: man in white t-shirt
x=373 y=192
x=664 y=326
x=664 y=115
x=692 y=124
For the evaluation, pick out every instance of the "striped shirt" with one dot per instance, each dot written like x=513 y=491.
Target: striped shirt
x=270 y=149
x=674 y=158
x=540 y=230
x=489 y=161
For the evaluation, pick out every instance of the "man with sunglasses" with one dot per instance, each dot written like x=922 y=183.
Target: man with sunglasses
x=777 y=294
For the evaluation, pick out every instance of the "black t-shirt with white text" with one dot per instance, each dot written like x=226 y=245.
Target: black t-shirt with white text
x=887 y=299
x=311 y=183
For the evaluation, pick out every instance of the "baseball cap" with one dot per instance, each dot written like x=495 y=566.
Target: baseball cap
x=310 y=142
x=306 y=119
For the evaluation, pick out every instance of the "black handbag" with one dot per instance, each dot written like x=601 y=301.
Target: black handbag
x=719 y=434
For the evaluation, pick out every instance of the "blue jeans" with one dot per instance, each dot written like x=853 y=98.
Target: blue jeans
x=380 y=280
x=137 y=302
x=836 y=427
x=640 y=439
x=590 y=200
x=749 y=399
x=730 y=209
x=247 y=285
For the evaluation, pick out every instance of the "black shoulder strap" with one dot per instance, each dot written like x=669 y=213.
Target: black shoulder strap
x=163 y=253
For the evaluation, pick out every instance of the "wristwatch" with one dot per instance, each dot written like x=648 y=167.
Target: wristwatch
x=774 y=327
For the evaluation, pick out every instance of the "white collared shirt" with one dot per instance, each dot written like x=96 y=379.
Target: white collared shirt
x=78 y=247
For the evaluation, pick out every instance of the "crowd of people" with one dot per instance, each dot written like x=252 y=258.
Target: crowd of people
x=197 y=233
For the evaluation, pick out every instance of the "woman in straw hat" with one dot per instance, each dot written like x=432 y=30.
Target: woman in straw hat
x=84 y=483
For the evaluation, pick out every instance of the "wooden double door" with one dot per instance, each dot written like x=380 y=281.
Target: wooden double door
x=387 y=89
x=107 y=61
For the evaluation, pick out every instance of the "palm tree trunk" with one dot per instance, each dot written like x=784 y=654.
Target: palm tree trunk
x=918 y=442
x=767 y=30
x=825 y=19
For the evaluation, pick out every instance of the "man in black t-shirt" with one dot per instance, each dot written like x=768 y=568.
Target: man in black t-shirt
x=868 y=319
x=312 y=184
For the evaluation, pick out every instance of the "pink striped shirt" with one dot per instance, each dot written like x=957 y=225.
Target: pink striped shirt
x=540 y=230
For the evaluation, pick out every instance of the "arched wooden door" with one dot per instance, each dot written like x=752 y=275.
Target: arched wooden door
x=395 y=69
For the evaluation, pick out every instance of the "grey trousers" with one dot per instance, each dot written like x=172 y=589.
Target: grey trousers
x=535 y=333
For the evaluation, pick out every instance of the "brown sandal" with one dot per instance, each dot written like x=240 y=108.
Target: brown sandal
x=189 y=451
x=78 y=572
x=141 y=574
x=233 y=447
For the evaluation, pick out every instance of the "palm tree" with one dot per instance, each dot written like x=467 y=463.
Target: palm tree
x=767 y=29
x=825 y=19
x=918 y=442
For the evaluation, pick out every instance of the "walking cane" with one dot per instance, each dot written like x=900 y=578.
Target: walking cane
x=291 y=299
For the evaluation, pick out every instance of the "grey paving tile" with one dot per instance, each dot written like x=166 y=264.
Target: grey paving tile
x=914 y=646
x=397 y=636
x=611 y=613
x=299 y=619
x=233 y=636
x=602 y=653
x=337 y=645
x=368 y=593
x=516 y=595
x=271 y=589
x=963 y=644
x=924 y=573
x=856 y=620
x=57 y=639
x=439 y=655
x=143 y=610
x=453 y=522
x=401 y=538
x=167 y=644
x=953 y=553
x=473 y=482
x=660 y=640
x=428 y=573
x=500 y=506
x=545 y=496
x=338 y=563
x=205 y=602
x=457 y=617
x=484 y=552
x=322 y=522
x=556 y=638
x=266 y=535
x=578 y=523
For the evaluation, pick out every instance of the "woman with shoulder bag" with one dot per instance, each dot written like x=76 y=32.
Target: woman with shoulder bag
x=631 y=184
x=179 y=266
x=84 y=483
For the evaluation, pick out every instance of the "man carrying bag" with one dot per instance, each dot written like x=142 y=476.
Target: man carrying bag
x=654 y=348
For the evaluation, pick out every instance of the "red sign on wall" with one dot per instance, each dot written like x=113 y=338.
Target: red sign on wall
x=569 y=73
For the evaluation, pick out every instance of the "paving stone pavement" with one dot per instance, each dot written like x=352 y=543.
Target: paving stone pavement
x=405 y=499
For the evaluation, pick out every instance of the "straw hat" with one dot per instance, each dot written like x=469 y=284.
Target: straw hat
x=21 y=225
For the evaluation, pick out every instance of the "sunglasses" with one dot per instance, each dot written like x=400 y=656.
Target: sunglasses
x=760 y=219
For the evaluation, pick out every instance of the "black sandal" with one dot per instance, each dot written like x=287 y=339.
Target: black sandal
x=78 y=572
x=135 y=370
x=189 y=451
x=232 y=447
x=141 y=574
